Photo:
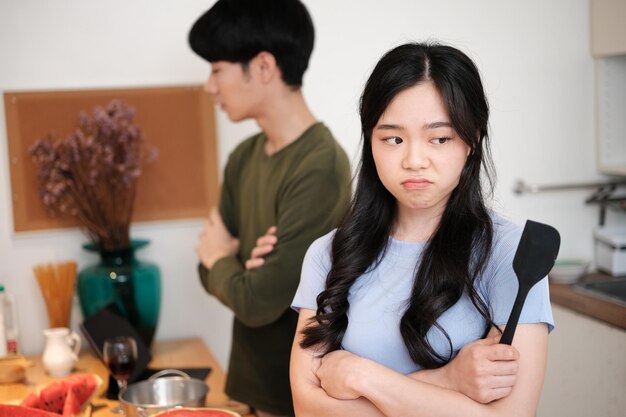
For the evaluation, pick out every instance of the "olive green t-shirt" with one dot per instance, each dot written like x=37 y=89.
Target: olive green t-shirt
x=303 y=189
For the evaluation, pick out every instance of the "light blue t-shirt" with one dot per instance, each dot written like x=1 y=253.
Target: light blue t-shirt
x=379 y=298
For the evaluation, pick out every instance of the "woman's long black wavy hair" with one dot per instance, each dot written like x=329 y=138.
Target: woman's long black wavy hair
x=459 y=248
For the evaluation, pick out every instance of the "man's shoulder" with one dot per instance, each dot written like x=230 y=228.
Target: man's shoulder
x=322 y=135
x=247 y=144
x=244 y=150
x=323 y=151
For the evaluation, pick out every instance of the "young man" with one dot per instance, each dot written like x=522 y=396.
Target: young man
x=283 y=187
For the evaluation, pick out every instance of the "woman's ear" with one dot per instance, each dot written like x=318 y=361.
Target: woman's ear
x=265 y=66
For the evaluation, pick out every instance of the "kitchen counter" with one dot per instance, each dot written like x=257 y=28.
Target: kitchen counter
x=567 y=295
x=181 y=353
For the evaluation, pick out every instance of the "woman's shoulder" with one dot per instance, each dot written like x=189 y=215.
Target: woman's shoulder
x=318 y=258
x=314 y=272
x=506 y=237
x=321 y=246
x=505 y=231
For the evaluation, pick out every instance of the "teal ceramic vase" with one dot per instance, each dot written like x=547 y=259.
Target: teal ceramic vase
x=122 y=283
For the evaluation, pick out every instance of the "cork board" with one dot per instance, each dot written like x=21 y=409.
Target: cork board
x=179 y=121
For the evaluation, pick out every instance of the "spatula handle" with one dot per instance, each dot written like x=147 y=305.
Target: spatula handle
x=509 y=330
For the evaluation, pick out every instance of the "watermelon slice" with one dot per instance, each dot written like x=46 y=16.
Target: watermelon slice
x=52 y=397
x=83 y=385
x=20 y=411
x=31 y=401
x=65 y=397
x=72 y=406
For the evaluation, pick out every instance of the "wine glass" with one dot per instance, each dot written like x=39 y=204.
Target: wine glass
x=120 y=356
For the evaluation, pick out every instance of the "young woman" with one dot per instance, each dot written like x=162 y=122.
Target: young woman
x=401 y=308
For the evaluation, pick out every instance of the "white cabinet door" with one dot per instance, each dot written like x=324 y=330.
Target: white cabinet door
x=611 y=114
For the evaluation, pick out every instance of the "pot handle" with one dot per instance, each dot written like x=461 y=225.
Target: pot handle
x=169 y=372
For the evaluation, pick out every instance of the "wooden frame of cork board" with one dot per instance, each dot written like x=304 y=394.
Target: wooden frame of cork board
x=179 y=121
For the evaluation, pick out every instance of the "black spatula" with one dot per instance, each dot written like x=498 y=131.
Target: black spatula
x=534 y=258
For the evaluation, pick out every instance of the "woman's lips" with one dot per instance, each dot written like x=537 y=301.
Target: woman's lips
x=416 y=184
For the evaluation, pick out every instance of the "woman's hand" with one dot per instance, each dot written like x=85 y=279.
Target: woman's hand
x=339 y=371
x=309 y=372
x=484 y=370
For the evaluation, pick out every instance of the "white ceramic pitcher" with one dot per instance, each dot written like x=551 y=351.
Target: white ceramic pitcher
x=61 y=351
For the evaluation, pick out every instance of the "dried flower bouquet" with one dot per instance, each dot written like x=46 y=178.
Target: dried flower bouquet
x=92 y=173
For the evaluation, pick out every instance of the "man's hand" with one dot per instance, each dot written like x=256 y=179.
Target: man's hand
x=483 y=370
x=215 y=241
x=264 y=245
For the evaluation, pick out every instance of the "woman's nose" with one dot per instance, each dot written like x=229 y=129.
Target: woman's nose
x=416 y=156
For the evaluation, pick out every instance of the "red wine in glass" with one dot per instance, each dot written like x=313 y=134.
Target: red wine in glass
x=121 y=367
x=120 y=355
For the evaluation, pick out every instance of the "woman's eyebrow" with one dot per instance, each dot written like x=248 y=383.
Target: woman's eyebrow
x=389 y=126
x=435 y=125
x=393 y=126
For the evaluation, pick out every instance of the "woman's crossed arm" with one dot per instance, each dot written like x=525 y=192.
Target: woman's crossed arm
x=343 y=384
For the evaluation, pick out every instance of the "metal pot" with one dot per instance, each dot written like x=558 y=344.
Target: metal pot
x=160 y=393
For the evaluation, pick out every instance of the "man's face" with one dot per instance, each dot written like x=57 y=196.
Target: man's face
x=233 y=89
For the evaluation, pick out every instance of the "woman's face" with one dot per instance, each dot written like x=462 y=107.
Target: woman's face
x=418 y=155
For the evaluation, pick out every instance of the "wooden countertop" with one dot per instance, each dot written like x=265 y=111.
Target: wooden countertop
x=182 y=353
x=567 y=295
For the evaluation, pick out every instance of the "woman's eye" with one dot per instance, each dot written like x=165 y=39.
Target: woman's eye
x=440 y=141
x=394 y=140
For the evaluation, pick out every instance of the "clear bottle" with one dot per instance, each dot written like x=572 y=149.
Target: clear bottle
x=9 y=322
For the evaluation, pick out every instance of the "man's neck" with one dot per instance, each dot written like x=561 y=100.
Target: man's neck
x=285 y=118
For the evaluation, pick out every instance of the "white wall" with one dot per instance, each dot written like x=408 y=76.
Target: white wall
x=533 y=54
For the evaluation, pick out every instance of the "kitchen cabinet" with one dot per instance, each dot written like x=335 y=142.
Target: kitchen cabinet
x=608 y=46
x=610 y=110
x=586 y=370
x=608 y=27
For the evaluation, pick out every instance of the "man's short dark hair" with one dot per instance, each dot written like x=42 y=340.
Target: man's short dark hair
x=237 y=30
